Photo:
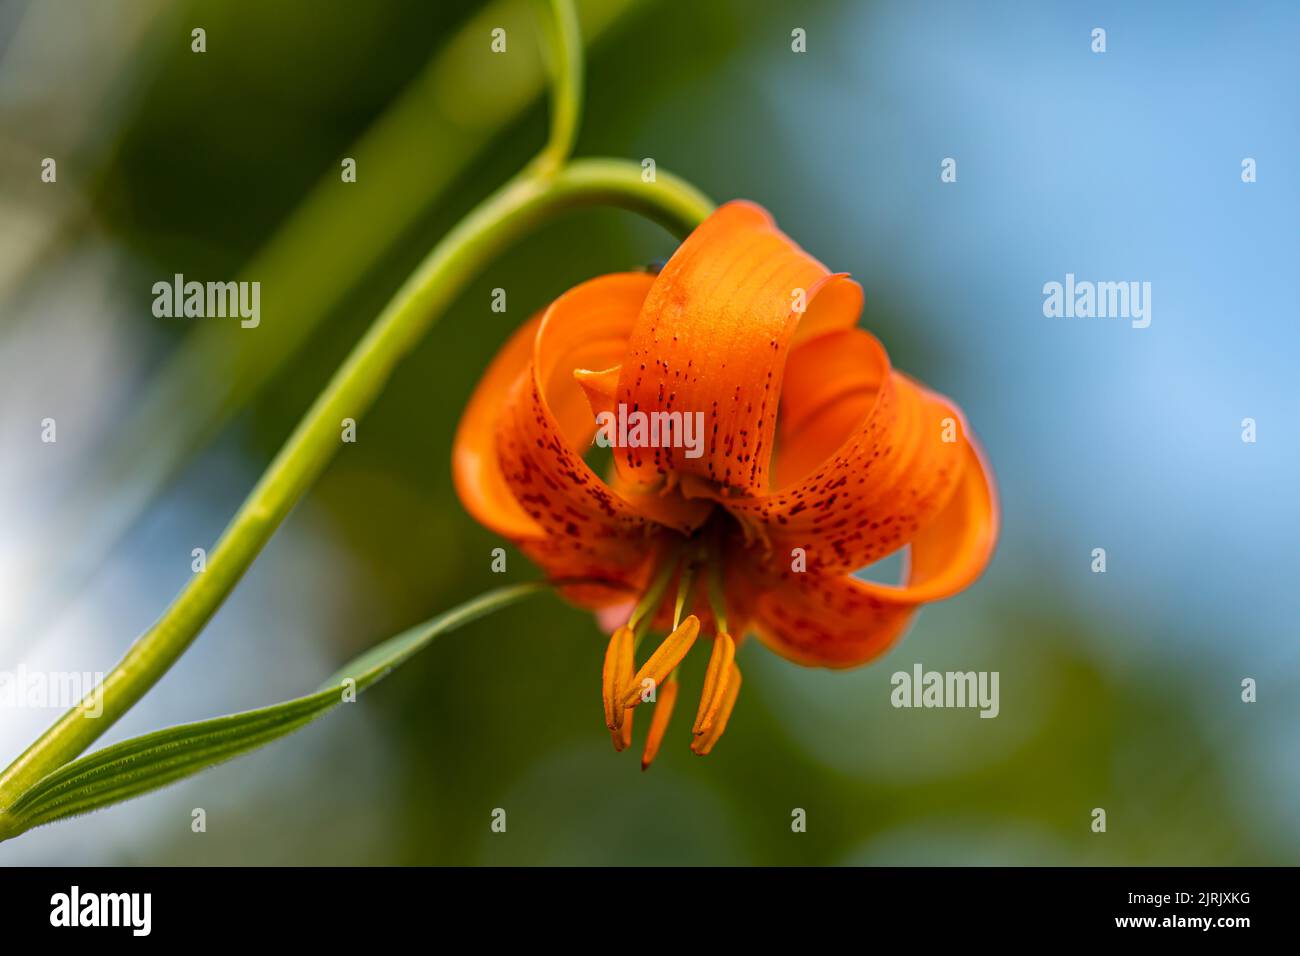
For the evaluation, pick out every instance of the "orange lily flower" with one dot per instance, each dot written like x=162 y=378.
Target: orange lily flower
x=815 y=459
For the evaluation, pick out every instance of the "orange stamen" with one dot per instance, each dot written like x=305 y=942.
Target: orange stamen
x=665 y=658
x=704 y=743
x=622 y=736
x=618 y=666
x=664 y=701
x=724 y=653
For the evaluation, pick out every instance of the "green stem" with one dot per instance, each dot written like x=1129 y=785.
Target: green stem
x=563 y=49
x=644 y=612
x=518 y=207
x=685 y=588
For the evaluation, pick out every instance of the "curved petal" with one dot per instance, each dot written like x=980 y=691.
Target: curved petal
x=834 y=620
x=583 y=335
x=894 y=469
x=587 y=328
x=829 y=621
x=475 y=470
x=830 y=387
x=517 y=459
x=588 y=530
x=712 y=338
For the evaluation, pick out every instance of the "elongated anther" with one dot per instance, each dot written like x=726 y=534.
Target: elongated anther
x=663 y=712
x=702 y=744
x=618 y=664
x=622 y=736
x=661 y=663
x=715 y=688
x=626 y=665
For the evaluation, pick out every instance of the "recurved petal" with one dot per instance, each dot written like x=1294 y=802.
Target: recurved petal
x=475 y=468
x=712 y=337
x=586 y=328
x=889 y=455
x=518 y=458
x=589 y=325
x=835 y=620
x=830 y=388
x=588 y=530
x=673 y=510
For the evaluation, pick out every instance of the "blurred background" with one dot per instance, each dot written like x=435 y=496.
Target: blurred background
x=1119 y=690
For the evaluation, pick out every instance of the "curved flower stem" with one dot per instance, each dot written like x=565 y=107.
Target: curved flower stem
x=563 y=48
x=529 y=199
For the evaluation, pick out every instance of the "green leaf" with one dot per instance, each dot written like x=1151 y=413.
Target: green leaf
x=143 y=764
